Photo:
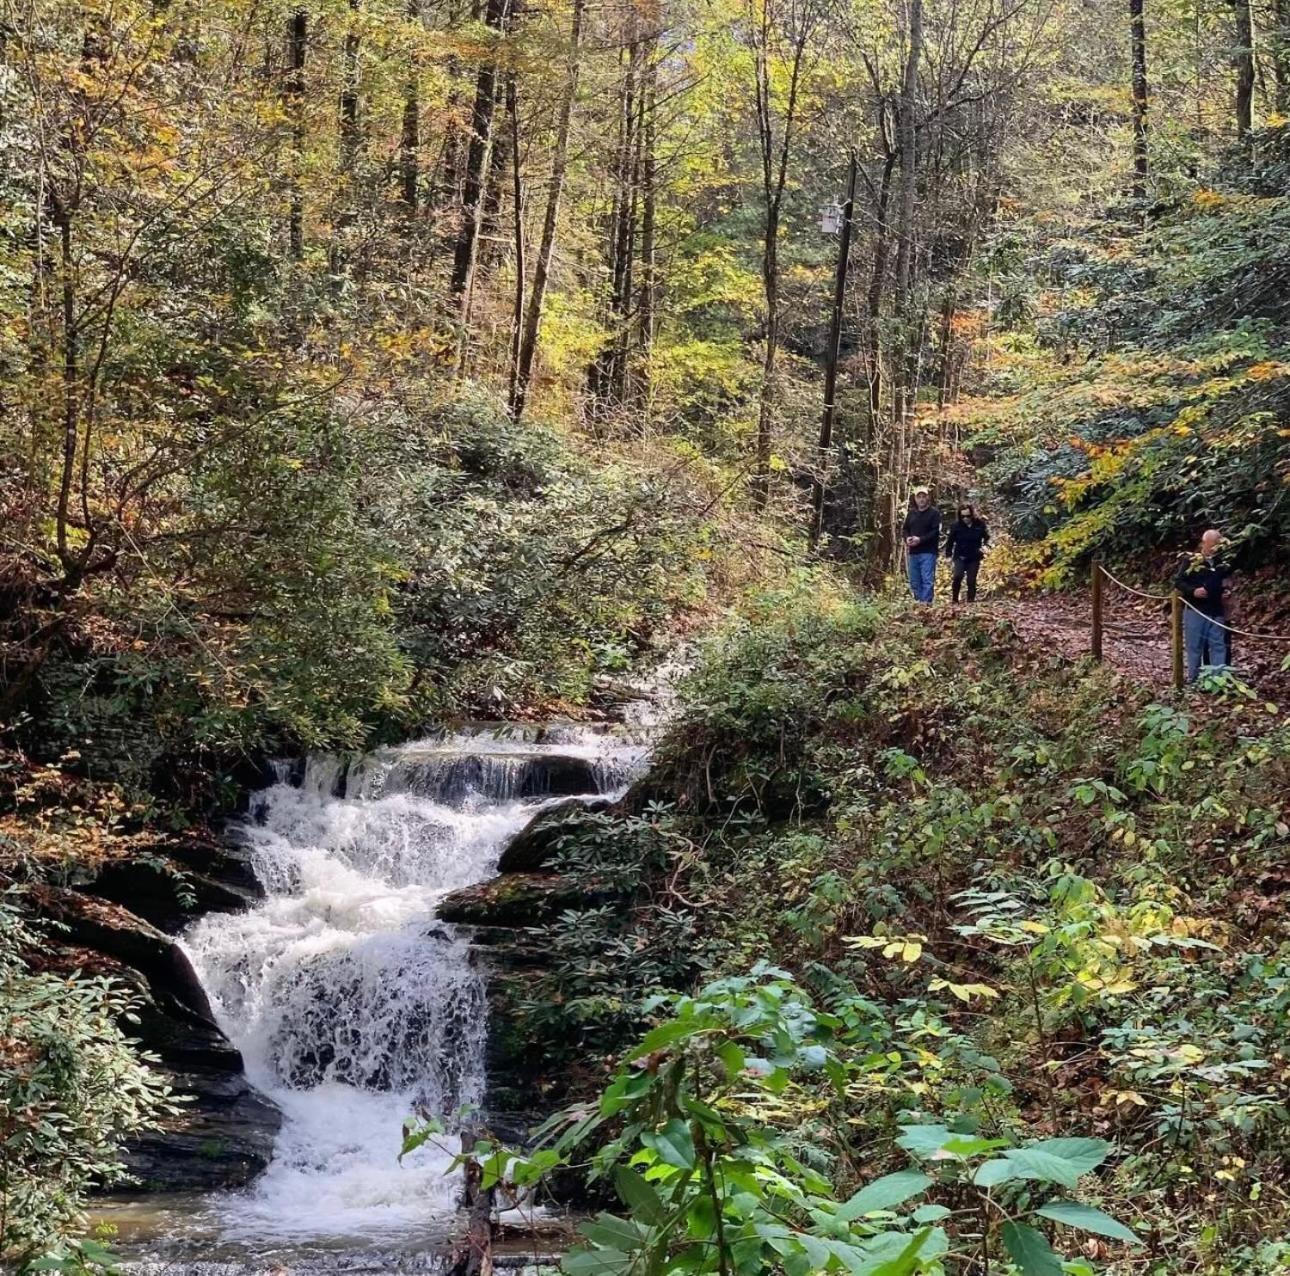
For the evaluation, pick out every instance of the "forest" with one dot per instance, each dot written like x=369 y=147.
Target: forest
x=459 y=686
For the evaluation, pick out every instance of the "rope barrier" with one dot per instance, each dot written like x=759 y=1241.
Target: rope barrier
x=1164 y=598
x=1141 y=593
x=1232 y=629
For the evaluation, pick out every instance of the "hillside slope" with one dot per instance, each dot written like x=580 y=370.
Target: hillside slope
x=1054 y=903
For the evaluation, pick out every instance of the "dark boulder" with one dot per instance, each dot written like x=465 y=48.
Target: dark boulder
x=514 y=900
x=114 y=931
x=222 y=1139
x=534 y=845
x=223 y=1136
x=170 y=886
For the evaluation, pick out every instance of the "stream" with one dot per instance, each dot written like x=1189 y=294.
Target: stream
x=350 y=1002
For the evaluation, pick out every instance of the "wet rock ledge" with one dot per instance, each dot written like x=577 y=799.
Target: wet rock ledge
x=506 y=915
x=119 y=918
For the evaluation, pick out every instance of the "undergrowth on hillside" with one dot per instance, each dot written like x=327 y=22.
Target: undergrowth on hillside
x=1041 y=902
x=71 y=1089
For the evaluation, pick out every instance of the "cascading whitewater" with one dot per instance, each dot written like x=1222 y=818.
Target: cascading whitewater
x=349 y=1002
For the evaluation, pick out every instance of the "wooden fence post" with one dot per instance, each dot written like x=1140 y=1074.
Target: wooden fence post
x=1096 y=579
x=1176 y=637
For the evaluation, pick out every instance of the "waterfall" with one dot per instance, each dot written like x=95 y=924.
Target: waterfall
x=350 y=1003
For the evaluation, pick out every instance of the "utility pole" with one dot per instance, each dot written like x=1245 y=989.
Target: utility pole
x=831 y=356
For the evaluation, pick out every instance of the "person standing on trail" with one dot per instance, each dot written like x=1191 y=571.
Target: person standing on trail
x=922 y=539
x=1202 y=583
x=964 y=547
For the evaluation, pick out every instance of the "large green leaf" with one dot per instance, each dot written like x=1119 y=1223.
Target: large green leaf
x=596 y=1262
x=930 y=1213
x=625 y=1091
x=611 y=1232
x=907 y=1259
x=668 y=1034
x=924 y=1140
x=1085 y=1217
x=1083 y=1154
x=1030 y=1251
x=673 y=1144
x=992 y=1173
x=1034 y=1163
x=884 y=1193
x=640 y=1196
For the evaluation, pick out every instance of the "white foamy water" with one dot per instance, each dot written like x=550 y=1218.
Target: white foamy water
x=350 y=1003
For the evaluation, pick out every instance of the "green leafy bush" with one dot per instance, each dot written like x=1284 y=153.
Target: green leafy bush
x=1028 y=899
x=72 y=1088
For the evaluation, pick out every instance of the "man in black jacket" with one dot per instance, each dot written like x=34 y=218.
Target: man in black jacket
x=922 y=539
x=1202 y=582
x=964 y=546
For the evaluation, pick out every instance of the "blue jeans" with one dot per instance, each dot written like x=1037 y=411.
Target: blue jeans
x=922 y=576
x=1205 y=641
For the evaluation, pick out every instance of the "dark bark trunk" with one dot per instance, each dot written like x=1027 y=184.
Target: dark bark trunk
x=1281 y=55
x=831 y=358
x=349 y=99
x=1244 y=59
x=473 y=1253
x=646 y=303
x=907 y=138
x=605 y=380
x=477 y=154
x=71 y=382
x=550 y=220
x=946 y=352
x=297 y=51
x=410 y=135
x=774 y=165
x=877 y=282
x=1138 y=39
x=517 y=209
x=621 y=388
x=347 y=185
x=499 y=179
x=904 y=359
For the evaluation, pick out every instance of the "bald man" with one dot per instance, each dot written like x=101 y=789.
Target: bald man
x=1202 y=582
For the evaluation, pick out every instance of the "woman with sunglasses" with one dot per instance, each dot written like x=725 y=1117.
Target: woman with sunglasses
x=965 y=545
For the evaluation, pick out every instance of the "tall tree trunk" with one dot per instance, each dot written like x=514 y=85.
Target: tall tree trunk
x=410 y=134
x=347 y=176
x=907 y=141
x=608 y=379
x=477 y=155
x=495 y=188
x=517 y=209
x=445 y=186
x=1243 y=55
x=904 y=388
x=646 y=303
x=1281 y=55
x=820 y=478
x=774 y=157
x=878 y=277
x=349 y=97
x=624 y=292
x=297 y=50
x=550 y=220
x=1138 y=39
x=71 y=382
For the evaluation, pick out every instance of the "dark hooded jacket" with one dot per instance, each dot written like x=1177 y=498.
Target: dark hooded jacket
x=967 y=540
